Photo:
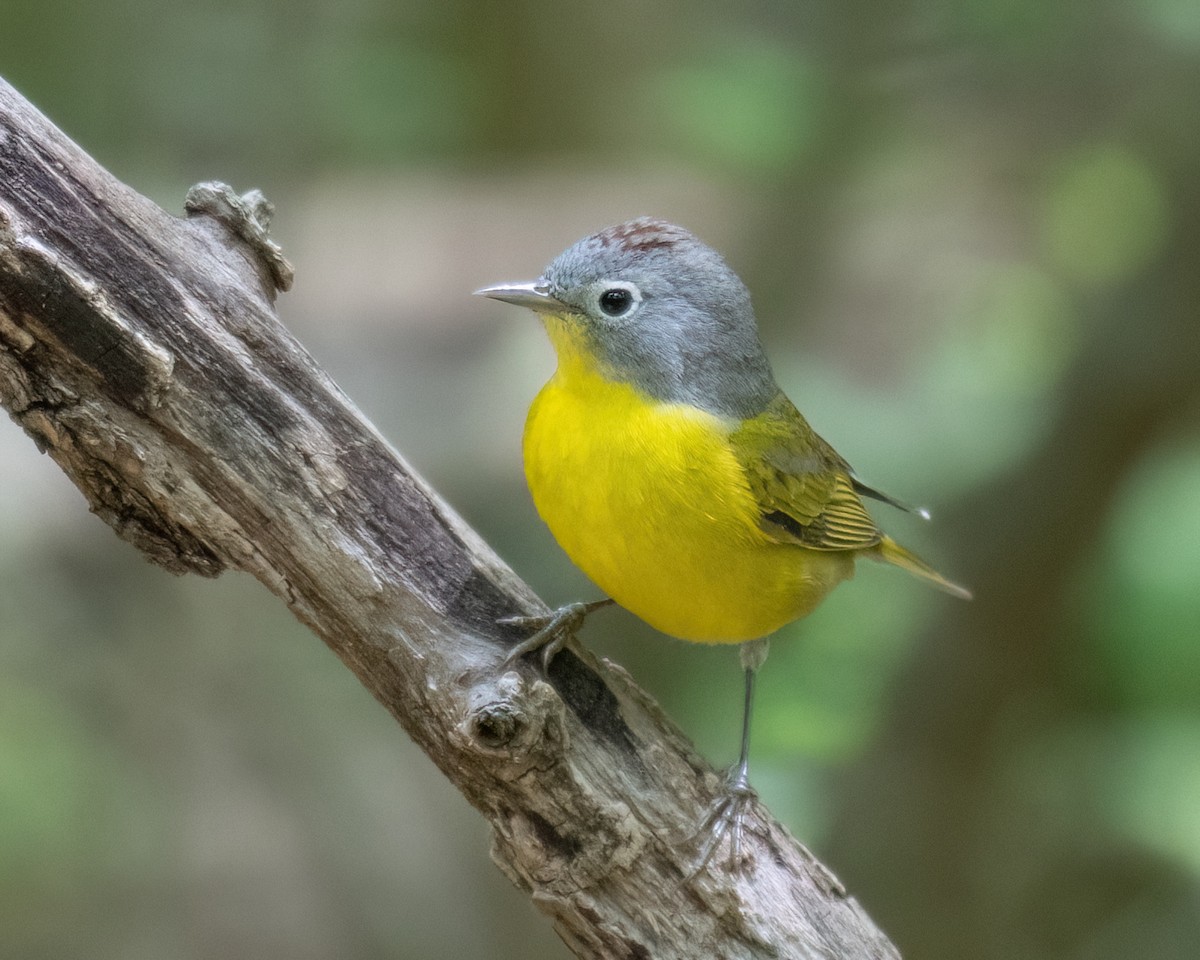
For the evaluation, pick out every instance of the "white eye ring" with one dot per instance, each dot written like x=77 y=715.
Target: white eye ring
x=618 y=298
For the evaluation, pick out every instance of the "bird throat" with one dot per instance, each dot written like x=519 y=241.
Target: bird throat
x=575 y=354
x=732 y=383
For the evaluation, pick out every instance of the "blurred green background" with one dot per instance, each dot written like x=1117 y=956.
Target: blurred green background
x=973 y=235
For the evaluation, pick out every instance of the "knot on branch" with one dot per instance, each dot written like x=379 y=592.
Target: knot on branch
x=249 y=217
x=559 y=830
x=510 y=719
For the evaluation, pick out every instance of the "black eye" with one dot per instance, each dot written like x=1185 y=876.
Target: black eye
x=616 y=301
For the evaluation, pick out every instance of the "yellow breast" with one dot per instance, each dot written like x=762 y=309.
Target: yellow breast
x=649 y=500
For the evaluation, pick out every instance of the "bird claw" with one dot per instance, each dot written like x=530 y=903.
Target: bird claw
x=728 y=818
x=551 y=630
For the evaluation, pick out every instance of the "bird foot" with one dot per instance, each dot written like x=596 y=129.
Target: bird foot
x=551 y=630
x=727 y=819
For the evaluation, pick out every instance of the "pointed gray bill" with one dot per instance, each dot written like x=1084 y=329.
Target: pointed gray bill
x=535 y=296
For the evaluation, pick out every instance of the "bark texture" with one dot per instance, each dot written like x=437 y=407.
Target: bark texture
x=142 y=352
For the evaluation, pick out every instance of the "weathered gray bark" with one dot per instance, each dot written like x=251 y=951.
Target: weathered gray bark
x=142 y=352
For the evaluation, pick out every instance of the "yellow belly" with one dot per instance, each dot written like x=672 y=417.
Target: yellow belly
x=650 y=502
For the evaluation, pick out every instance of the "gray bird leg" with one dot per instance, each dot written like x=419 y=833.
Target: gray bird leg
x=728 y=815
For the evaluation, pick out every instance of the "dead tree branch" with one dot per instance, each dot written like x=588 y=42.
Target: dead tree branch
x=142 y=352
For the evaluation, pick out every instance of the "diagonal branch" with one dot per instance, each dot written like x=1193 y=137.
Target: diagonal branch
x=142 y=352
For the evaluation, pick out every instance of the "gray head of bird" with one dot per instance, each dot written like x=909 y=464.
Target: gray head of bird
x=656 y=308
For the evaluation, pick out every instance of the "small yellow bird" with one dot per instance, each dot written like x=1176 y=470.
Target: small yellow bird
x=672 y=469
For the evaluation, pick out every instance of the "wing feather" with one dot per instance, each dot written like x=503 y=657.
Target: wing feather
x=805 y=490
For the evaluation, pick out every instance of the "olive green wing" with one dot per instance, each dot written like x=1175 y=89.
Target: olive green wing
x=806 y=492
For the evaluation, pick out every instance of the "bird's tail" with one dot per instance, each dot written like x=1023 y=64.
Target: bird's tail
x=890 y=551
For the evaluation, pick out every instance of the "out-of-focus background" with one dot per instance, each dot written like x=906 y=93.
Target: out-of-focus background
x=972 y=231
